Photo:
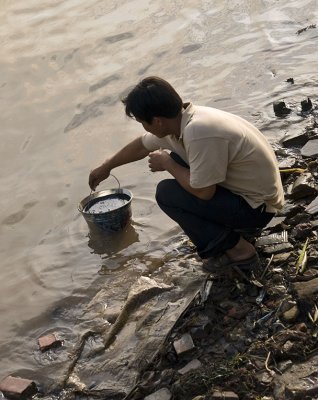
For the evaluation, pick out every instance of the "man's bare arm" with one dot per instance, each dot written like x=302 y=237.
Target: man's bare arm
x=133 y=151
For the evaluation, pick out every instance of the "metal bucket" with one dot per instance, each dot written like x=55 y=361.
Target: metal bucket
x=110 y=221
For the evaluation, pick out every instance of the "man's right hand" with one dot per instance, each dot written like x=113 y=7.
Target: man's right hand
x=97 y=175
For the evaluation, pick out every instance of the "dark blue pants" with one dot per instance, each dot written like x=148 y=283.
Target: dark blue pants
x=212 y=225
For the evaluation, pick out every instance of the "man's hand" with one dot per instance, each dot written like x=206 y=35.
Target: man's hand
x=97 y=175
x=159 y=160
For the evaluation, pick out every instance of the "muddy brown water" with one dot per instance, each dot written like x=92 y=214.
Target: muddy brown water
x=63 y=67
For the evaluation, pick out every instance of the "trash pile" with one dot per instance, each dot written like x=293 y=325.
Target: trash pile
x=254 y=335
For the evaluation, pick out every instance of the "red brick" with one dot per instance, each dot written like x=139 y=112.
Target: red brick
x=12 y=386
x=48 y=341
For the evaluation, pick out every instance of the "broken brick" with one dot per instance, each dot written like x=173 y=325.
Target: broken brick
x=16 y=387
x=48 y=341
x=184 y=344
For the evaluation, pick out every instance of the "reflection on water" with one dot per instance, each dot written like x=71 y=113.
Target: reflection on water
x=105 y=243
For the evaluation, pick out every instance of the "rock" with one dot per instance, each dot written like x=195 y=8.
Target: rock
x=306 y=105
x=184 y=344
x=290 y=80
x=218 y=395
x=280 y=258
x=194 y=364
x=302 y=231
x=306 y=290
x=18 y=387
x=280 y=109
x=287 y=162
x=48 y=341
x=162 y=394
x=274 y=222
x=303 y=186
x=310 y=149
x=294 y=139
x=291 y=315
x=287 y=304
x=277 y=248
x=312 y=208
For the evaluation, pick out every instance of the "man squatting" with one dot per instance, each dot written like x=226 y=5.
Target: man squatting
x=225 y=175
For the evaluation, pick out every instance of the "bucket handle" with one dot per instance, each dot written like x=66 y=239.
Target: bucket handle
x=113 y=177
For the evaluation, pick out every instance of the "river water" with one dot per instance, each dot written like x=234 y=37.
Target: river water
x=64 y=66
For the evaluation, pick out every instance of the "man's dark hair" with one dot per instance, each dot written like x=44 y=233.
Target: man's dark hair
x=152 y=97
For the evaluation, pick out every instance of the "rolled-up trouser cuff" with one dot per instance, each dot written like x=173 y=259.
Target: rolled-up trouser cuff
x=218 y=247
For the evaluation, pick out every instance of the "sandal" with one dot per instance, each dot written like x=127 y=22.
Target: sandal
x=224 y=262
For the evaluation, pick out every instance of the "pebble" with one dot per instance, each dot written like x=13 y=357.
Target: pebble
x=291 y=315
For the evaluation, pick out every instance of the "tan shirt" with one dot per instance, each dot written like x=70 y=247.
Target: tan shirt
x=224 y=149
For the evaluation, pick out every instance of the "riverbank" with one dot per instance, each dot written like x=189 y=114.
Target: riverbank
x=254 y=336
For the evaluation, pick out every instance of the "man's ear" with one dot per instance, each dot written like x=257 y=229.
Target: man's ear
x=157 y=120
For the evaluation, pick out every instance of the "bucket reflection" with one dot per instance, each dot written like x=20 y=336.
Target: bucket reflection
x=110 y=243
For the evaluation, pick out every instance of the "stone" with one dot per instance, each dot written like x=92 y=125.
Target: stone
x=312 y=208
x=287 y=304
x=48 y=341
x=294 y=139
x=162 y=394
x=280 y=258
x=306 y=290
x=218 y=395
x=194 y=364
x=290 y=80
x=303 y=186
x=280 y=109
x=287 y=162
x=184 y=344
x=306 y=105
x=291 y=315
x=277 y=248
x=17 y=387
x=310 y=149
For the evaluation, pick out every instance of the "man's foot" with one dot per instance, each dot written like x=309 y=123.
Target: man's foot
x=242 y=255
x=224 y=262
